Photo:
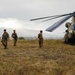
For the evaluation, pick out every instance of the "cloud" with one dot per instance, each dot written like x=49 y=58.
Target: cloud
x=15 y=23
x=26 y=9
x=21 y=11
x=20 y=24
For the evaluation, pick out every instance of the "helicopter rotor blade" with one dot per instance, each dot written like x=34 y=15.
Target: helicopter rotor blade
x=49 y=17
x=57 y=24
x=54 y=18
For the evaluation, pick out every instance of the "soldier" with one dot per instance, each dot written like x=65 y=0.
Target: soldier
x=68 y=34
x=40 y=37
x=14 y=36
x=5 y=38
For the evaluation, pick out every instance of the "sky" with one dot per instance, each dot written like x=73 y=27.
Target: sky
x=17 y=13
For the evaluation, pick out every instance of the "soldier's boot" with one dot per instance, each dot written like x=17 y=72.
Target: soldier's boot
x=5 y=46
x=40 y=46
x=14 y=43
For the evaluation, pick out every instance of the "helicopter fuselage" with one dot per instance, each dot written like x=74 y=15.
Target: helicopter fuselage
x=70 y=32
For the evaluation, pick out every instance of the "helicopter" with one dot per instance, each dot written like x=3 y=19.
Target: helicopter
x=69 y=37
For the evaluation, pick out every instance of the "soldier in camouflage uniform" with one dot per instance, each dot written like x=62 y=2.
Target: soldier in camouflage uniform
x=40 y=37
x=5 y=38
x=14 y=36
x=67 y=35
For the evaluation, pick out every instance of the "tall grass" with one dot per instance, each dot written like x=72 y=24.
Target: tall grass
x=55 y=58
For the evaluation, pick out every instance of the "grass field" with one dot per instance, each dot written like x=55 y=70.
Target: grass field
x=55 y=58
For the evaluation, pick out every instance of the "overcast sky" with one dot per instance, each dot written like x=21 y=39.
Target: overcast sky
x=19 y=12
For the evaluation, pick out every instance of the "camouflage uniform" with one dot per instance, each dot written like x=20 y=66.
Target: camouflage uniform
x=14 y=36
x=68 y=34
x=40 y=39
x=5 y=37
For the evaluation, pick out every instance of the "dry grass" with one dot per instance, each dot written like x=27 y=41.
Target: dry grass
x=55 y=58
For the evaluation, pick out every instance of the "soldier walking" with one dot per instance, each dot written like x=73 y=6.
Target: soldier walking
x=40 y=37
x=5 y=38
x=14 y=36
